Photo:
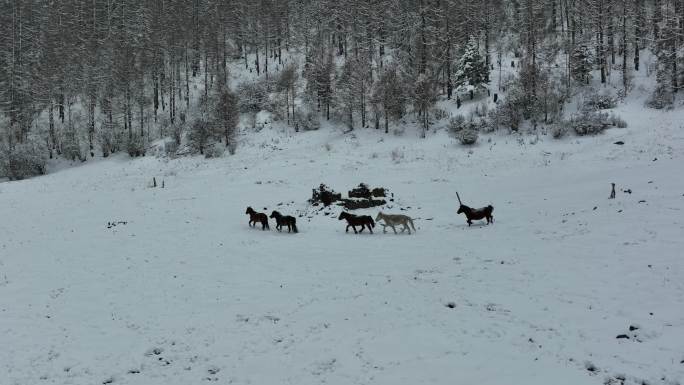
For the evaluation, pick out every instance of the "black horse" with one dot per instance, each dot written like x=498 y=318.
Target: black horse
x=476 y=214
x=255 y=217
x=357 y=220
x=284 y=220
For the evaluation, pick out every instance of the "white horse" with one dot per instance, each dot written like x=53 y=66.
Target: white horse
x=393 y=220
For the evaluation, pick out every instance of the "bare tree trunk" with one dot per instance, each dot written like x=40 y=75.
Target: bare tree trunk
x=51 y=118
x=625 y=79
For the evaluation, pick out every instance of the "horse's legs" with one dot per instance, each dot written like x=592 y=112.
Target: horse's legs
x=354 y=227
x=384 y=229
x=394 y=229
x=469 y=222
x=370 y=229
x=363 y=226
x=406 y=227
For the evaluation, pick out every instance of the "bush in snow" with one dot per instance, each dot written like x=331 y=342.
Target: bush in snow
x=468 y=136
x=201 y=135
x=617 y=121
x=107 y=137
x=308 y=121
x=439 y=114
x=23 y=160
x=510 y=112
x=252 y=97
x=594 y=122
x=135 y=146
x=661 y=98
x=599 y=101
x=559 y=130
x=215 y=150
x=589 y=122
x=71 y=145
x=457 y=124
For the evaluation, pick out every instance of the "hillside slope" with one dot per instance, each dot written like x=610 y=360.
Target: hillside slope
x=185 y=292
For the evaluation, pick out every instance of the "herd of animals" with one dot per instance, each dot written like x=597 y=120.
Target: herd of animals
x=366 y=221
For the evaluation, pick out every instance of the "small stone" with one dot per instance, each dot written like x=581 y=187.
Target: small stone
x=451 y=305
x=622 y=336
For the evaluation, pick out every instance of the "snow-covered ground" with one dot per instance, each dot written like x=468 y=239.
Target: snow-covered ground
x=184 y=292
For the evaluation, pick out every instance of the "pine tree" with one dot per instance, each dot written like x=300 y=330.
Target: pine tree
x=581 y=63
x=472 y=70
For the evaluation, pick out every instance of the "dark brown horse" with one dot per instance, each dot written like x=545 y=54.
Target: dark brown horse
x=476 y=214
x=284 y=220
x=255 y=217
x=357 y=220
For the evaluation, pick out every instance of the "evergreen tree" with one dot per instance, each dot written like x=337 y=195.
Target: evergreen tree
x=472 y=70
x=581 y=63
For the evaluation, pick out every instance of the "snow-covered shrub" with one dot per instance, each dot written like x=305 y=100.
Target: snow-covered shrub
x=558 y=130
x=661 y=98
x=617 y=121
x=135 y=146
x=23 y=160
x=468 y=136
x=165 y=148
x=599 y=101
x=215 y=150
x=509 y=114
x=593 y=122
x=486 y=124
x=457 y=124
x=439 y=114
x=71 y=145
x=177 y=130
x=106 y=139
x=200 y=135
x=309 y=121
x=589 y=122
x=253 y=97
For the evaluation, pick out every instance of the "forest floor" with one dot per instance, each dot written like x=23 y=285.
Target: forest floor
x=104 y=279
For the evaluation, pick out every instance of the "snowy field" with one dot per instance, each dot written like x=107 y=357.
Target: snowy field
x=184 y=292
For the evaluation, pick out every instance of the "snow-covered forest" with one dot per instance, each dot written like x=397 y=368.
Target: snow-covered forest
x=83 y=79
x=149 y=150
